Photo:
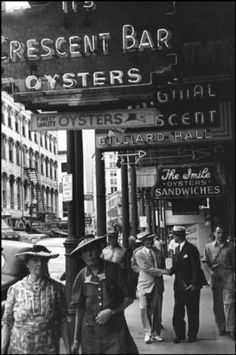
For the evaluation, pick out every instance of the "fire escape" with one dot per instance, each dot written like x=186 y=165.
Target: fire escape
x=36 y=193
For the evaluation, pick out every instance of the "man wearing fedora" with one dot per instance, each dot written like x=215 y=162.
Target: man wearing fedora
x=150 y=286
x=187 y=286
x=99 y=296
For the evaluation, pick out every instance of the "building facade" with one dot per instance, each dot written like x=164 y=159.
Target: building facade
x=29 y=166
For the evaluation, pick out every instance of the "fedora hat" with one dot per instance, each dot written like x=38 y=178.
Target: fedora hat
x=179 y=230
x=88 y=240
x=38 y=250
x=144 y=236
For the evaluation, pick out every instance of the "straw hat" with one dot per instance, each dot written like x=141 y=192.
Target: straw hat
x=179 y=230
x=38 y=250
x=90 y=240
x=144 y=236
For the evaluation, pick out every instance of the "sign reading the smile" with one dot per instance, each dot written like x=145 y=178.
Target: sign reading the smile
x=187 y=181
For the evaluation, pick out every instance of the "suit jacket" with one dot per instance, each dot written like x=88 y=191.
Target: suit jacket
x=148 y=274
x=187 y=268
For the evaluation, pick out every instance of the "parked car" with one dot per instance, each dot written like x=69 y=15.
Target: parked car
x=57 y=266
x=13 y=269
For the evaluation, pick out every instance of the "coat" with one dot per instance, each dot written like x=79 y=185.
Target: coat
x=187 y=268
x=149 y=275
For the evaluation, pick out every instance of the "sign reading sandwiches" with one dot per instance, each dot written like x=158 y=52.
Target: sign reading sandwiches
x=187 y=181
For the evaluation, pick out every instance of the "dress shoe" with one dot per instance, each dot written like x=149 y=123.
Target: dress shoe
x=147 y=339
x=157 y=338
x=179 y=340
x=191 y=340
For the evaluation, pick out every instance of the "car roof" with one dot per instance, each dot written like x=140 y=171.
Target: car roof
x=13 y=265
x=50 y=242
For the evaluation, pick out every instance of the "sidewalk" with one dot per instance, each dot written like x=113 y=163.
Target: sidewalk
x=209 y=342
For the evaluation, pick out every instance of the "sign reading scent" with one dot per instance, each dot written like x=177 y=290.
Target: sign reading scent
x=187 y=181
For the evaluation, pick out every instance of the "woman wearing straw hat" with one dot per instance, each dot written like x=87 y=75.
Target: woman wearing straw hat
x=100 y=296
x=35 y=315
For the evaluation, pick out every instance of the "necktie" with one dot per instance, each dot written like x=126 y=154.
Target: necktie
x=177 y=251
x=151 y=257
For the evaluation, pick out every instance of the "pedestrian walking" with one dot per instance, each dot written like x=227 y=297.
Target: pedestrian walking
x=100 y=295
x=171 y=246
x=114 y=251
x=150 y=287
x=187 y=285
x=35 y=315
x=131 y=275
x=219 y=257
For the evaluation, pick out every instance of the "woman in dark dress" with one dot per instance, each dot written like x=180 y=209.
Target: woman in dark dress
x=100 y=296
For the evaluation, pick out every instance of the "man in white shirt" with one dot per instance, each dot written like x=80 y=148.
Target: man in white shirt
x=114 y=251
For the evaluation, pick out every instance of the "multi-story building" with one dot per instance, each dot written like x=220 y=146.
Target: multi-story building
x=29 y=185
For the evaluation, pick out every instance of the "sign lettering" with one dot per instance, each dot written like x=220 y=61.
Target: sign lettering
x=187 y=181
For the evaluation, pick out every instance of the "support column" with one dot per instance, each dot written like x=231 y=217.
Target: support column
x=100 y=194
x=75 y=212
x=154 y=229
x=134 y=206
x=125 y=202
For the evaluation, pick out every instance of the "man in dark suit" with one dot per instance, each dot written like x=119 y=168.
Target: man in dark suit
x=187 y=286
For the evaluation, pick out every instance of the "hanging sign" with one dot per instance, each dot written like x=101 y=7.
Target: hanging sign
x=47 y=50
x=93 y=120
x=187 y=181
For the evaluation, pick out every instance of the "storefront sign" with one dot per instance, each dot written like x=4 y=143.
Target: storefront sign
x=218 y=128
x=87 y=50
x=67 y=183
x=93 y=120
x=187 y=181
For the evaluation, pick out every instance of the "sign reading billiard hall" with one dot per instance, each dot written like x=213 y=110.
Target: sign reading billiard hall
x=187 y=181
x=87 y=49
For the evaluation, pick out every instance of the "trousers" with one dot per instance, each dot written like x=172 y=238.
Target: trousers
x=190 y=301
x=224 y=308
x=151 y=311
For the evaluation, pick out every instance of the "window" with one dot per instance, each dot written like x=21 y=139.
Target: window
x=4 y=191
x=23 y=129
x=3 y=114
x=42 y=169
x=50 y=167
x=24 y=156
x=41 y=139
x=36 y=163
x=46 y=162
x=3 y=147
x=11 y=193
x=31 y=159
x=18 y=154
x=9 y=118
x=35 y=138
x=46 y=141
x=50 y=144
x=11 y=151
x=17 y=125
x=18 y=195
x=54 y=148
x=55 y=171
x=29 y=134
